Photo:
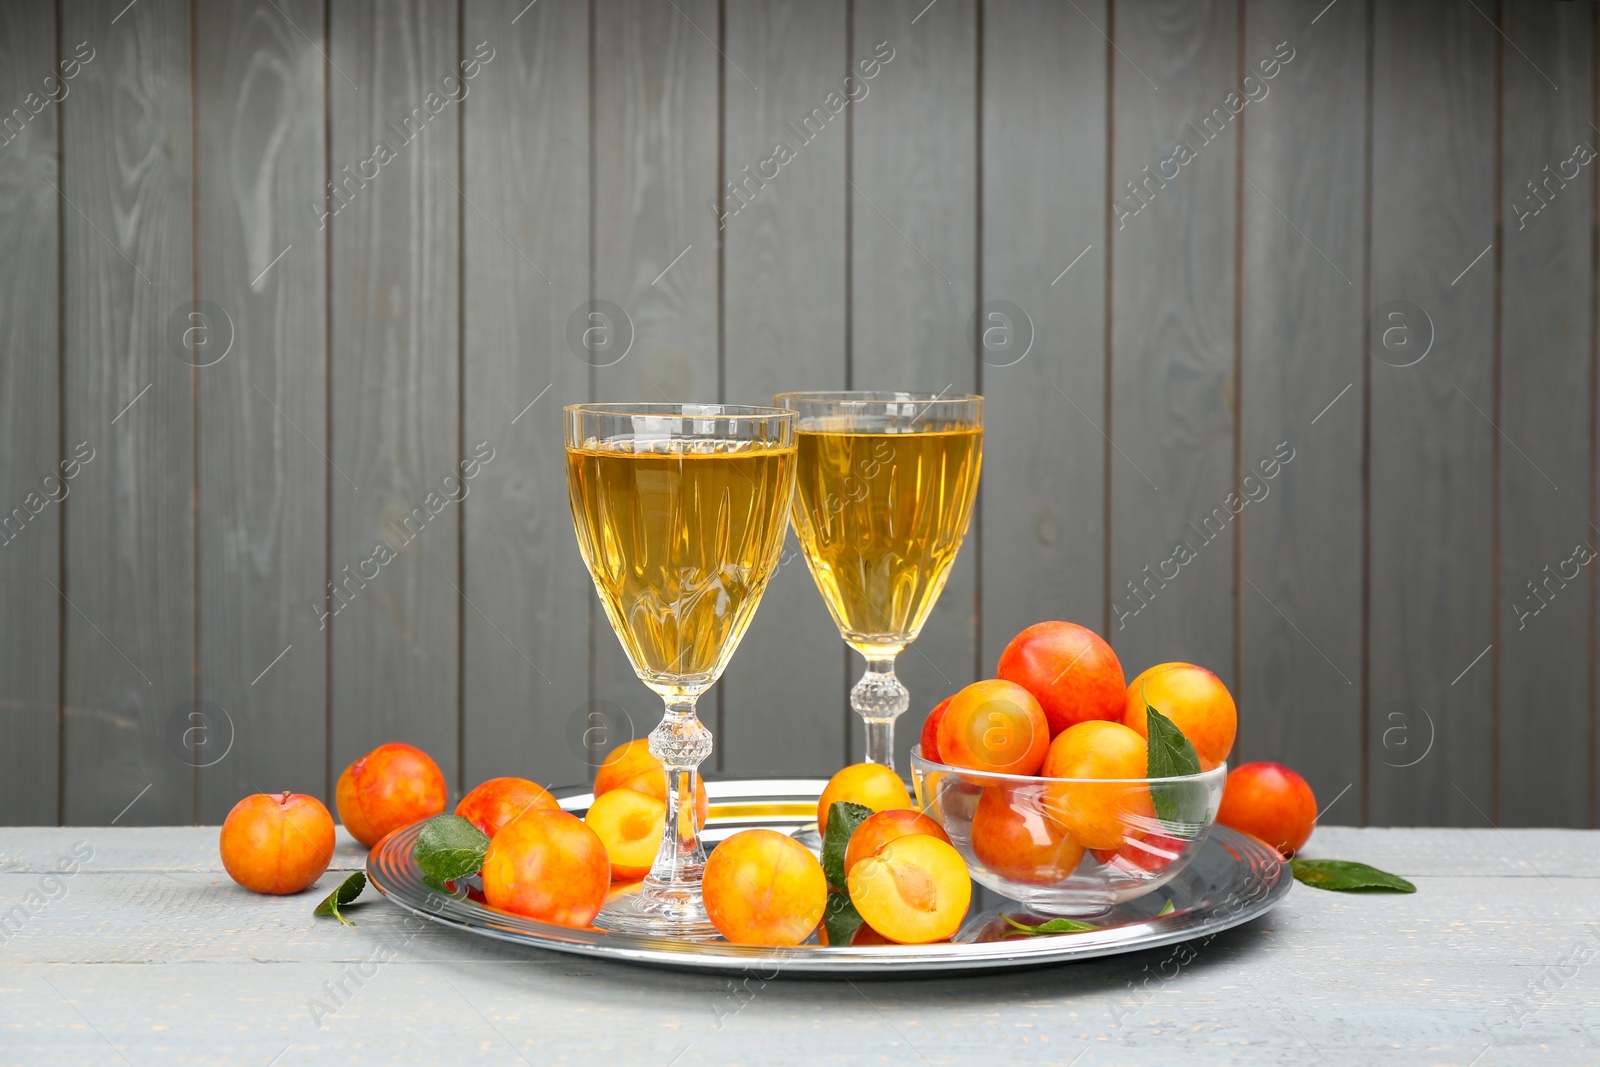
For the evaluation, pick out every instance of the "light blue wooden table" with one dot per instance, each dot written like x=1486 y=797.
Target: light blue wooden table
x=149 y=954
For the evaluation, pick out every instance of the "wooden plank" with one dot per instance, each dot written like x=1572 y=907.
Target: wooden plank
x=130 y=529
x=784 y=327
x=655 y=168
x=1429 y=852
x=1355 y=978
x=526 y=180
x=32 y=488
x=394 y=296
x=1480 y=933
x=1431 y=449
x=555 y=1010
x=1044 y=484
x=37 y=849
x=1303 y=349
x=1545 y=633
x=263 y=487
x=551 y=1008
x=913 y=274
x=1174 y=395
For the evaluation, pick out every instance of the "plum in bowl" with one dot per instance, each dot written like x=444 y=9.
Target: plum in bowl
x=1070 y=846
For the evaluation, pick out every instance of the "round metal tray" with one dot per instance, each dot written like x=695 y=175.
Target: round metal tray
x=1234 y=879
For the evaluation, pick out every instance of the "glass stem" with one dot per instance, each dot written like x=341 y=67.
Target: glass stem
x=879 y=699
x=681 y=742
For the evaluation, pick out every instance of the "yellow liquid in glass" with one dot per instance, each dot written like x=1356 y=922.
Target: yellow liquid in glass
x=681 y=540
x=881 y=516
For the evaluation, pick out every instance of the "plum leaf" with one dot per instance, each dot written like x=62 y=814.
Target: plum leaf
x=1347 y=876
x=450 y=847
x=1050 y=926
x=346 y=892
x=843 y=818
x=1169 y=754
x=839 y=917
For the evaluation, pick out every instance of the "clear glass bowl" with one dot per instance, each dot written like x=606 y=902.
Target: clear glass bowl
x=1070 y=846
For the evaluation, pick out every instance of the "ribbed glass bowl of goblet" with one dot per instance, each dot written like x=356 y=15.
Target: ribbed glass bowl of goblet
x=1070 y=846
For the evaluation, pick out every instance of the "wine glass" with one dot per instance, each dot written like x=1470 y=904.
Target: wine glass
x=680 y=512
x=883 y=494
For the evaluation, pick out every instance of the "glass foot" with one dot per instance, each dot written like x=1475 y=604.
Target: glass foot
x=632 y=913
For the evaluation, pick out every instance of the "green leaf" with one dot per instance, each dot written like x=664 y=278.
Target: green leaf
x=839 y=916
x=843 y=818
x=1169 y=754
x=450 y=847
x=1347 y=876
x=1166 y=909
x=1051 y=926
x=348 y=890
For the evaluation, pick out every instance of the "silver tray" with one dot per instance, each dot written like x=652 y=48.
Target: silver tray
x=1234 y=879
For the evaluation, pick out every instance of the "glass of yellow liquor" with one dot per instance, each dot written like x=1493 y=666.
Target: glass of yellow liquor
x=883 y=496
x=680 y=512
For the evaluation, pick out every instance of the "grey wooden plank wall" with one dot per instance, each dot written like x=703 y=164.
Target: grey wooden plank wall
x=273 y=270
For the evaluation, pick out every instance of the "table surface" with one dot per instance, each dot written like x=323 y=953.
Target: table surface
x=149 y=954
